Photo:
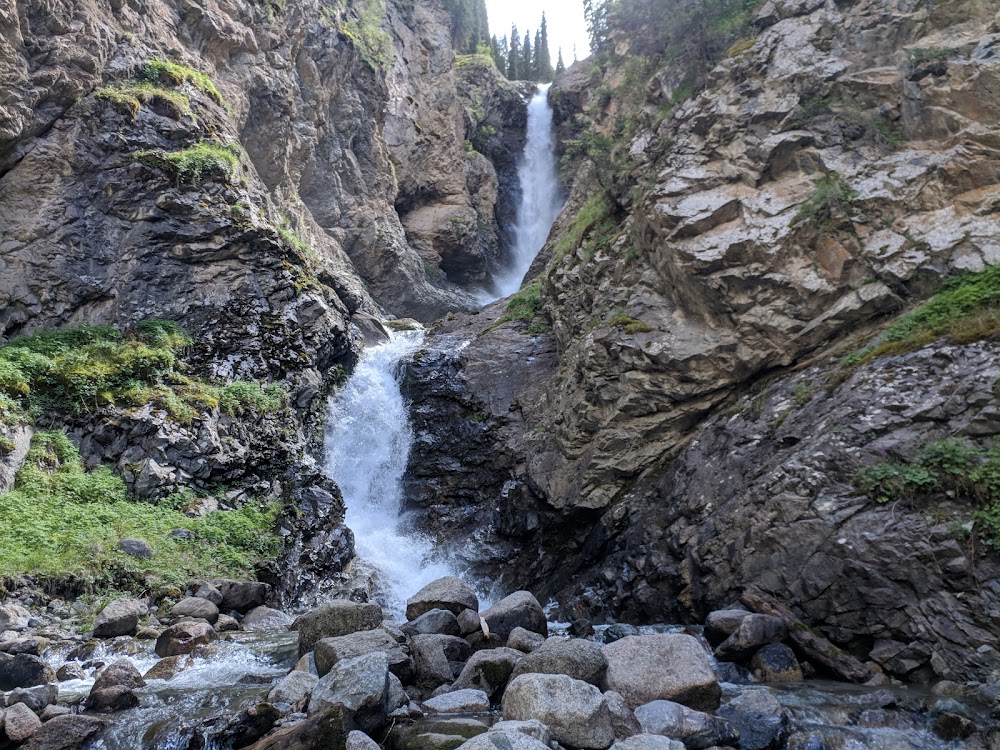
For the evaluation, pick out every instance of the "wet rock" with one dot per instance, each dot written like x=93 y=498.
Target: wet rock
x=754 y=631
x=489 y=671
x=458 y=702
x=71 y=670
x=53 y=710
x=195 y=607
x=776 y=662
x=574 y=711
x=120 y=617
x=360 y=685
x=434 y=621
x=532 y=728
x=20 y=722
x=469 y=622
x=450 y=593
x=722 y=623
x=360 y=741
x=335 y=619
x=329 y=651
x=121 y=673
x=23 y=670
x=671 y=667
x=726 y=671
x=13 y=617
x=952 y=726
x=150 y=634
x=167 y=668
x=695 y=729
x=294 y=688
x=758 y=718
x=326 y=729
x=577 y=658
x=479 y=641
x=520 y=609
x=623 y=719
x=32 y=645
x=136 y=548
x=205 y=590
x=226 y=624
x=67 y=732
x=36 y=698
x=648 y=742
x=264 y=619
x=430 y=662
x=618 y=631
x=118 y=698
x=524 y=640
x=436 y=733
x=184 y=637
x=241 y=596
x=503 y=740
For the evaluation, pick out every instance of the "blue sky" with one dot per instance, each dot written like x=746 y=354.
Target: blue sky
x=565 y=20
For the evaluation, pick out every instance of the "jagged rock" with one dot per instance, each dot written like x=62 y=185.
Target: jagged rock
x=448 y=593
x=20 y=722
x=479 y=641
x=295 y=688
x=524 y=640
x=71 y=670
x=197 y=608
x=574 y=711
x=225 y=624
x=22 y=671
x=951 y=726
x=578 y=658
x=13 y=617
x=205 y=590
x=648 y=742
x=120 y=617
x=360 y=685
x=752 y=633
x=136 y=548
x=36 y=698
x=618 y=631
x=458 y=702
x=622 y=716
x=241 y=596
x=360 y=741
x=335 y=619
x=326 y=729
x=32 y=645
x=469 y=622
x=646 y=668
x=110 y=699
x=68 y=732
x=758 y=718
x=505 y=740
x=520 y=609
x=488 y=671
x=184 y=637
x=264 y=619
x=722 y=623
x=430 y=662
x=695 y=729
x=329 y=651
x=53 y=710
x=776 y=663
x=434 y=621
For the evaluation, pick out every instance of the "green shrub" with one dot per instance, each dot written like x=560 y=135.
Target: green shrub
x=168 y=73
x=595 y=212
x=525 y=306
x=829 y=203
x=240 y=396
x=203 y=160
x=365 y=32
x=130 y=98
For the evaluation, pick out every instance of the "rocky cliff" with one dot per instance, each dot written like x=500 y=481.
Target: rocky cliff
x=830 y=172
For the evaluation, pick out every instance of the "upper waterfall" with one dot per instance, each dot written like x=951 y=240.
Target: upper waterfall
x=541 y=197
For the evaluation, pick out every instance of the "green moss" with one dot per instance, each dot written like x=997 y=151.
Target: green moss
x=829 y=203
x=169 y=73
x=525 y=306
x=474 y=61
x=241 y=396
x=364 y=30
x=629 y=324
x=63 y=523
x=740 y=47
x=595 y=212
x=293 y=240
x=206 y=159
x=130 y=98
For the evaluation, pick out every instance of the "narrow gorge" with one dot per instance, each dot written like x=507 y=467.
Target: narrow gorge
x=369 y=381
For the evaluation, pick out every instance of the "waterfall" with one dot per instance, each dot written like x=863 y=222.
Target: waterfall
x=541 y=199
x=368 y=439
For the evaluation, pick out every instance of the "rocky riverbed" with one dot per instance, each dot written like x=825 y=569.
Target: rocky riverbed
x=218 y=668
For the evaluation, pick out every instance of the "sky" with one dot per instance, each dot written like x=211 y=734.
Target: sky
x=564 y=17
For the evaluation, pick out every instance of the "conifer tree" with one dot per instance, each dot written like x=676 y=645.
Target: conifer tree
x=498 y=49
x=560 y=66
x=527 y=59
x=514 y=55
x=543 y=57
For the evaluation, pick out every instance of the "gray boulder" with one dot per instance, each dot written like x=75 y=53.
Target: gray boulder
x=520 y=609
x=433 y=622
x=695 y=729
x=226 y=624
x=335 y=619
x=622 y=716
x=776 y=662
x=36 y=698
x=241 y=596
x=294 y=688
x=469 y=622
x=430 y=662
x=722 y=623
x=23 y=670
x=196 y=607
x=758 y=717
x=67 y=732
x=488 y=671
x=117 y=698
x=360 y=741
x=205 y=590
x=265 y=620
x=754 y=631
x=618 y=631
x=31 y=644
x=577 y=658
x=119 y=673
x=13 y=617
x=645 y=668
x=524 y=640
x=20 y=722
x=532 y=727
x=648 y=742
x=120 y=617
x=136 y=548
x=361 y=686
x=450 y=593
x=184 y=637
x=503 y=740
x=329 y=651
x=574 y=711
x=71 y=670
x=458 y=702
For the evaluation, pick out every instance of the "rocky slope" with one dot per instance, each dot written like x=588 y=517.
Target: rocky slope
x=833 y=169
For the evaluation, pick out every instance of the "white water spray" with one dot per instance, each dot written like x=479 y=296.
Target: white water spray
x=541 y=199
x=368 y=438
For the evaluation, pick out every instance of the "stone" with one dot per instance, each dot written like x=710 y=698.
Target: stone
x=951 y=726
x=646 y=668
x=241 y=596
x=754 y=632
x=360 y=685
x=120 y=617
x=53 y=710
x=577 y=658
x=479 y=641
x=265 y=620
x=776 y=662
x=307 y=663
x=329 y=651
x=13 y=617
x=622 y=716
x=360 y=741
x=33 y=645
x=618 y=631
x=66 y=732
x=108 y=700
x=196 y=607
x=695 y=729
x=433 y=622
x=488 y=671
x=335 y=619
x=225 y=624
x=167 y=668
x=503 y=740
x=722 y=623
x=648 y=742
x=758 y=718
x=22 y=671
x=136 y=548
x=520 y=609
x=184 y=637
x=325 y=729
x=71 y=670
x=458 y=702
x=294 y=688
x=532 y=728
x=20 y=722
x=524 y=640
x=205 y=590
x=36 y=698
x=574 y=711
x=450 y=593
x=469 y=622
x=430 y=662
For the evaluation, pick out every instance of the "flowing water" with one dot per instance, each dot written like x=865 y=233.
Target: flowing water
x=541 y=198
x=368 y=441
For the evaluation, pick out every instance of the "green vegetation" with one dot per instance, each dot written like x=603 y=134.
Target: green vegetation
x=168 y=73
x=292 y=239
x=130 y=98
x=526 y=306
x=922 y=55
x=523 y=60
x=469 y=26
x=593 y=228
x=965 y=309
x=629 y=324
x=476 y=60
x=62 y=523
x=740 y=47
x=82 y=368
x=206 y=159
x=365 y=32
x=829 y=204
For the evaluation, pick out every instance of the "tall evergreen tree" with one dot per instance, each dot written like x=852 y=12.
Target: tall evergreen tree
x=514 y=55
x=560 y=66
x=527 y=59
x=597 y=13
x=498 y=49
x=543 y=56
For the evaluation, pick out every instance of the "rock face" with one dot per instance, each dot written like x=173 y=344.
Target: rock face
x=646 y=668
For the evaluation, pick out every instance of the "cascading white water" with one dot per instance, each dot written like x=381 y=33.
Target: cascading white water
x=541 y=199
x=368 y=439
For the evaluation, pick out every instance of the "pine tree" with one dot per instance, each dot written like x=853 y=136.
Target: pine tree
x=596 y=13
x=527 y=59
x=498 y=49
x=560 y=66
x=543 y=57
x=514 y=55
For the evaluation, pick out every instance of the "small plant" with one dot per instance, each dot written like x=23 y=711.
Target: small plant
x=890 y=481
x=240 y=396
x=740 y=47
x=293 y=240
x=829 y=203
x=477 y=60
x=204 y=160
x=921 y=55
x=130 y=98
x=169 y=73
x=525 y=306
x=364 y=30
x=629 y=324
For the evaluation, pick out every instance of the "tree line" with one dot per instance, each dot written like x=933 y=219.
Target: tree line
x=522 y=60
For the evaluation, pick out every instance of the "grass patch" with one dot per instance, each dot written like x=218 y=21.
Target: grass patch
x=739 y=47
x=828 y=205
x=364 y=30
x=169 y=73
x=62 y=523
x=130 y=98
x=204 y=160
x=525 y=306
x=629 y=324
x=477 y=60
x=293 y=240
x=595 y=215
x=922 y=55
